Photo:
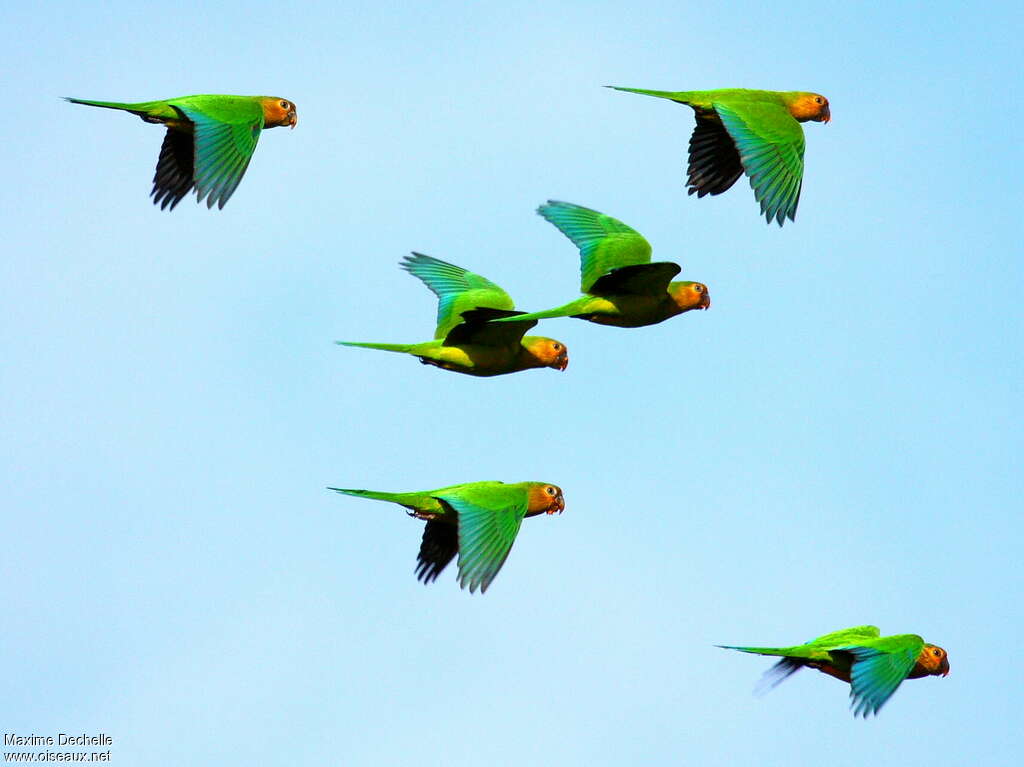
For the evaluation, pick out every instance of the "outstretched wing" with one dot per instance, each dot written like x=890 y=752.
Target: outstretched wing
x=174 y=169
x=223 y=148
x=605 y=243
x=770 y=144
x=879 y=669
x=714 y=162
x=476 y=328
x=439 y=546
x=458 y=290
x=486 y=535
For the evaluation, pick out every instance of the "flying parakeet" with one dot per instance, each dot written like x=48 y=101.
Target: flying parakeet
x=477 y=520
x=753 y=132
x=466 y=341
x=873 y=665
x=620 y=284
x=209 y=141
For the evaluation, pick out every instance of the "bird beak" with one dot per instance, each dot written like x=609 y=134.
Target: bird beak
x=558 y=506
x=563 y=362
x=826 y=115
x=293 y=120
x=944 y=667
x=706 y=301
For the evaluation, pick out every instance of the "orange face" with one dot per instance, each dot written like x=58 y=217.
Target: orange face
x=548 y=352
x=278 y=112
x=690 y=295
x=932 y=661
x=810 y=106
x=545 y=499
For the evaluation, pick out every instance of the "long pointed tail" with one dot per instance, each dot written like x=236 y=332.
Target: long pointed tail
x=562 y=311
x=757 y=650
x=375 y=495
x=156 y=111
x=404 y=348
x=679 y=96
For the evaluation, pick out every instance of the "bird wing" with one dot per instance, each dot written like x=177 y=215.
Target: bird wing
x=714 y=162
x=174 y=169
x=771 y=147
x=439 y=546
x=458 y=290
x=223 y=148
x=477 y=329
x=488 y=525
x=639 y=279
x=879 y=668
x=605 y=243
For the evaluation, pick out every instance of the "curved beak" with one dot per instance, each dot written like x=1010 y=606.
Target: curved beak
x=293 y=119
x=562 y=362
x=944 y=667
x=557 y=506
x=826 y=115
x=705 y=302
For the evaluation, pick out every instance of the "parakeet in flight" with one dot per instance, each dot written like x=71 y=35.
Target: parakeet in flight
x=621 y=286
x=209 y=141
x=466 y=341
x=479 y=521
x=873 y=665
x=753 y=132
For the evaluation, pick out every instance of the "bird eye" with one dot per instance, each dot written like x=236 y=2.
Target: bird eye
x=285 y=105
x=549 y=490
x=699 y=288
x=817 y=99
x=556 y=347
x=937 y=653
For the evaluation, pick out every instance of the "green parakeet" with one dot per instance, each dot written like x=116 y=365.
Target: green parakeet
x=753 y=132
x=479 y=521
x=466 y=341
x=209 y=141
x=621 y=286
x=873 y=665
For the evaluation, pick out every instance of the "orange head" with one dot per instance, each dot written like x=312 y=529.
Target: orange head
x=278 y=112
x=690 y=295
x=544 y=499
x=932 y=661
x=809 y=106
x=546 y=352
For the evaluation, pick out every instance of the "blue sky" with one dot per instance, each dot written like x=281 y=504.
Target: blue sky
x=835 y=442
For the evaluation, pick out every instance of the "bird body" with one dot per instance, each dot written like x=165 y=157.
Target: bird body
x=749 y=131
x=209 y=141
x=873 y=665
x=467 y=339
x=479 y=521
x=621 y=286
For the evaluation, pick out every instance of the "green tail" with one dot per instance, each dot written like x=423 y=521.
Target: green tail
x=680 y=96
x=377 y=496
x=143 y=108
x=566 y=310
x=405 y=348
x=780 y=651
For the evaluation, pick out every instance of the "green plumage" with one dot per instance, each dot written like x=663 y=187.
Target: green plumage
x=873 y=665
x=479 y=521
x=620 y=284
x=209 y=142
x=753 y=132
x=466 y=339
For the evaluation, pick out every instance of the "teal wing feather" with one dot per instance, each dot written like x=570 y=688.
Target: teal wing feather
x=222 y=151
x=879 y=669
x=605 y=243
x=488 y=527
x=771 y=147
x=458 y=290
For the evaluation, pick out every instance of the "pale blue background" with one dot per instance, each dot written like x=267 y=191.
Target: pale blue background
x=835 y=442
